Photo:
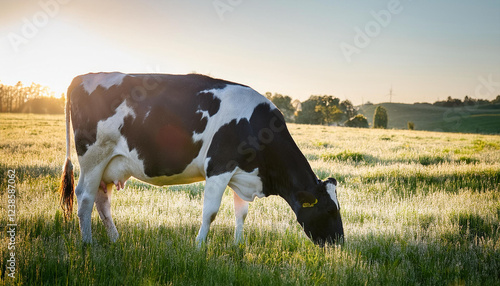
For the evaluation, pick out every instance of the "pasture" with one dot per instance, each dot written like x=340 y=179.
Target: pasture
x=466 y=119
x=418 y=208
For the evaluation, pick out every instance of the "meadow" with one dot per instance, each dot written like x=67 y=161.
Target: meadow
x=419 y=208
x=465 y=119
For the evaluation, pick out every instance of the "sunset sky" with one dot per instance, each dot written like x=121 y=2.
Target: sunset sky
x=357 y=50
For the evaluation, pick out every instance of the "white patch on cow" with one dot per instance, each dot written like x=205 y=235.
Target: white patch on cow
x=107 y=138
x=106 y=80
x=109 y=128
x=147 y=114
x=204 y=113
x=237 y=102
x=332 y=191
x=247 y=185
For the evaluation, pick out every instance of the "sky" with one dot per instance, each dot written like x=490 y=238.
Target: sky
x=357 y=50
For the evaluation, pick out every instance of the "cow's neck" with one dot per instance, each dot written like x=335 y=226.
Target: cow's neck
x=288 y=172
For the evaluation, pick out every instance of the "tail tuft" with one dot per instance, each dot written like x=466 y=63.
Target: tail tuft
x=67 y=189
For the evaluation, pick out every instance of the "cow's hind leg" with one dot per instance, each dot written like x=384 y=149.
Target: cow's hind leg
x=240 y=212
x=85 y=194
x=103 y=206
x=214 y=189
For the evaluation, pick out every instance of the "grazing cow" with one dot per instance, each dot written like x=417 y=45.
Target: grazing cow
x=180 y=129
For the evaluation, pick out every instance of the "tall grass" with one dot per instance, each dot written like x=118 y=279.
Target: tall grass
x=414 y=210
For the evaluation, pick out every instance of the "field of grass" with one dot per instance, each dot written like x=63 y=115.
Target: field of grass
x=469 y=119
x=419 y=208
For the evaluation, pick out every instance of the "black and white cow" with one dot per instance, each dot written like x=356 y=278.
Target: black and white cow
x=179 y=129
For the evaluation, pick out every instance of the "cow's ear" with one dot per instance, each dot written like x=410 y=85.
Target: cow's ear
x=330 y=181
x=307 y=200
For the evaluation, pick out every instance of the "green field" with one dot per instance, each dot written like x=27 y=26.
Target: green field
x=469 y=119
x=419 y=208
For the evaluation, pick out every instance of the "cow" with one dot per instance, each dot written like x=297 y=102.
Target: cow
x=178 y=129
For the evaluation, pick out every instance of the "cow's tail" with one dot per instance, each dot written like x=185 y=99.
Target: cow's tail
x=67 y=188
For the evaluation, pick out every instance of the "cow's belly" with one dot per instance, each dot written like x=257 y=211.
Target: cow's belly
x=121 y=168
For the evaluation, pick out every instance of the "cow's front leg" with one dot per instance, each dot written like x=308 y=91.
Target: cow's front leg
x=103 y=206
x=214 y=189
x=240 y=213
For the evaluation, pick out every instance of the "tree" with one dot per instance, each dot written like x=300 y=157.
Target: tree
x=380 y=117
x=328 y=106
x=284 y=104
x=496 y=100
x=13 y=98
x=320 y=109
x=308 y=114
x=348 y=109
x=358 y=121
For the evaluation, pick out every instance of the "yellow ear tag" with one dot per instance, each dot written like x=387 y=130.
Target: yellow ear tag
x=308 y=205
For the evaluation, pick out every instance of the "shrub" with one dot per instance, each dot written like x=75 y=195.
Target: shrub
x=380 y=118
x=358 y=121
x=411 y=125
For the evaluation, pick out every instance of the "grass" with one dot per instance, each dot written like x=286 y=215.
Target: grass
x=418 y=208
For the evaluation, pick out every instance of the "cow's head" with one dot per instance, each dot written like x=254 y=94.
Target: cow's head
x=319 y=213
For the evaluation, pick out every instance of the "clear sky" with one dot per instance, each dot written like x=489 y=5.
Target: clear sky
x=357 y=50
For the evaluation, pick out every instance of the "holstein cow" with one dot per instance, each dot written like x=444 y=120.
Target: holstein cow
x=179 y=129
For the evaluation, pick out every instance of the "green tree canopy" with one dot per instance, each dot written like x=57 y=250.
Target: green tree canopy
x=380 y=118
x=284 y=104
x=320 y=109
x=358 y=121
x=348 y=109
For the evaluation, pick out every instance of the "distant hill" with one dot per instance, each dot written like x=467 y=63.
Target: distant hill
x=469 y=119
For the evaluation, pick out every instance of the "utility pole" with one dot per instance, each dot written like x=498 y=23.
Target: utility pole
x=390 y=95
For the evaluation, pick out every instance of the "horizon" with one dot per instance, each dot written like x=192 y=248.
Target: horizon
x=424 y=52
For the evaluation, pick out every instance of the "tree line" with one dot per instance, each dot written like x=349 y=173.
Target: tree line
x=318 y=109
x=34 y=98
x=468 y=101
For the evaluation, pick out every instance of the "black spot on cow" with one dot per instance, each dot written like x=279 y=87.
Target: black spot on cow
x=203 y=123
x=208 y=102
x=229 y=149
